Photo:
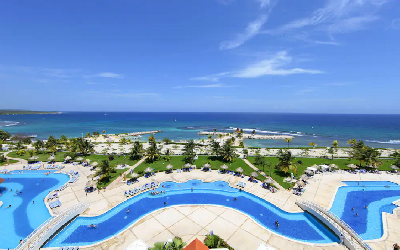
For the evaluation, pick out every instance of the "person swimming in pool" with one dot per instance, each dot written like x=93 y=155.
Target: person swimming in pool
x=352 y=209
x=277 y=223
x=127 y=210
x=92 y=226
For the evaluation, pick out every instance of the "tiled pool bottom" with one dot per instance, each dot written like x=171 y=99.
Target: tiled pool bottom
x=298 y=226
x=19 y=220
x=360 y=204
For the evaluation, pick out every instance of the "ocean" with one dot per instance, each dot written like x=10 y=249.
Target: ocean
x=375 y=130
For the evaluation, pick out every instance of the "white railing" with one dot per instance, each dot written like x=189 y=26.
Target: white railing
x=50 y=226
x=340 y=223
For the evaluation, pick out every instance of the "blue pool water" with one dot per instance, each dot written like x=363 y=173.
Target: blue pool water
x=23 y=216
x=376 y=195
x=299 y=226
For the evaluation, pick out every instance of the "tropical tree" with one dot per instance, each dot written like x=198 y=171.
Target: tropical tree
x=63 y=139
x=228 y=153
x=81 y=145
x=152 y=152
x=176 y=244
x=220 y=136
x=241 y=144
x=167 y=155
x=136 y=151
x=352 y=142
x=288 y=140
x=31 y=153
x=364 y=154
x=396 y=156
x=258 y=159
x=189 y=153
x=51 y=142
x=88 y=135
x=335 y=144
x=215 y=146
x=331 y=151
x=245 y=152
x=104 y=169
x=305 y=152
x=38 y=145
x=253 y=132
x=19 y=145
x=122 y=141
x=285 y=163
x=152 y=138
x=213 y=241
x=159 y=246
x=166 y=141
x=4 y=135
x=209 y=137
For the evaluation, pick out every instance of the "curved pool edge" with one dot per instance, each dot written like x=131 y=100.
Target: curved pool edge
x=199 y=205
x=46 y=202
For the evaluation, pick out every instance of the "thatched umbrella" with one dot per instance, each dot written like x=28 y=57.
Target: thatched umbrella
x=206 y=165
x=187 y=165
x=300 y=184
x=68 y=158
x=224 y=167
x=352 y=166
x=269 y=180
x=90 y=176
x=134 y=175
x=394 y=167
x=254 y=174
x=148 y=170
x=94 y=164
x=79 y=159
x=87 y=160
x=315 y=166
x=372 y=166
x=90 y=184
x=51 y=158
x=169 y=166
x=303 y=177
x=34 y=158
x=333 y=166
x=240 y=170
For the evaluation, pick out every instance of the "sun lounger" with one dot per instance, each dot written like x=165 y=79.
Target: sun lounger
x=74 y=179
x=55 y=204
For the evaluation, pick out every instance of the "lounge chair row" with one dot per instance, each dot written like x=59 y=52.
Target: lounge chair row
x=53 y=167
x=3 y=171
x=53 y=196
x=68 y=248
x=55 y=204
x=140 y=189
x=31 y=167
x=60 y=188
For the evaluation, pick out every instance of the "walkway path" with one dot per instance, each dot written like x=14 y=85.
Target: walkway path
x=21 y=161
x=118 y=182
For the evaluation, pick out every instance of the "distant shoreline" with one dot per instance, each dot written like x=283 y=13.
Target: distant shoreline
x=17 y=112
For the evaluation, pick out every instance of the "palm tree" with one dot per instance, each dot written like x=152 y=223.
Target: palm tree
x=228 y=153
x=122 y=141
x=104 y=169
x=253 y=132
x=213 y=241
x=288 y=140
x=352 y=142
x=285 y=163
x=166 y=141
x=215 y=146
x=152 y=152
x=159 y=246
x=38 y=145
x=167 y=155
x=152 y=138
x=335 y=144
x=137 y=151
x=220 y=136
x=87 y=135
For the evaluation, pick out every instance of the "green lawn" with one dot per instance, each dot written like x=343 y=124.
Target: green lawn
x=11 y=161
x=178 y=162
x=307 y=162
x=44 y=156
x=104 y=182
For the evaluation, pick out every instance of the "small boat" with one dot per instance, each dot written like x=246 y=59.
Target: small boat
x=175 y=119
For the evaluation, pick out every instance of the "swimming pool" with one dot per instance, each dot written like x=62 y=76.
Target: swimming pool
x=376 y=195
x=18 y=221
x=298 y=226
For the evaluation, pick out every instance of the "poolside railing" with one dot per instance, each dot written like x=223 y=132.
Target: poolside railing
x=341 y=225
x=50 y=226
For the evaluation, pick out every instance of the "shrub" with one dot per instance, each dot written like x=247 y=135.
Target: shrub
x=214 y=241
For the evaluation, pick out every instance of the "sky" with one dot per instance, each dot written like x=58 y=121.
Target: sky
x=303 y=56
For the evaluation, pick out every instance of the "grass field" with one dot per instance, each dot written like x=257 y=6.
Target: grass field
x=44 y=156
x=11 y=161
x=178 y=162
x=307 y=162
x=104 y=182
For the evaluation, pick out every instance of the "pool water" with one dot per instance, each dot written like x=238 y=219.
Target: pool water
x=299 y=226
x=19 y=220
x=350 y=202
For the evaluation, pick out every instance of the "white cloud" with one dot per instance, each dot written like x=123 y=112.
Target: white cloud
x=252 y=29
x=216 y=85
x=264 y=3
x=395 y=24
x=277 y=64
x=108 y=75
x=335 y=17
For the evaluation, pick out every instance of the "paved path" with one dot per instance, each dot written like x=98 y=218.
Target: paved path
x=118 y=182
x=21 y=161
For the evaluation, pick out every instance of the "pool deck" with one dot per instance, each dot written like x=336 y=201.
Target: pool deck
x=239 y=230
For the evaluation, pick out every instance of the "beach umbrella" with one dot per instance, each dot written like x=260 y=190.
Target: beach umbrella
x=254 y=174
x=352 y=166
x=372 y=166
x=315 y=166
x=94 y=164
x=207 y=165
x=34 y=158
x=148 y=170
x=309 y=172
x=240 y=170
x=90 y=184
x=224 y=166
x=392 y=167
x=269 y=180
x=300 y=184
x=187 y=165
x=88 y=160
x=333 y=166
x=51 y=158
x=303 y=177
x=68 y=158
x=169 y=166
x=134 y=175
x=79 y=159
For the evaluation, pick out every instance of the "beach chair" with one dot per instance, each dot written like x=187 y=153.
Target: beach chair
x=73 y=180
x=131 y=193
x=126 y=194
x=136 y=190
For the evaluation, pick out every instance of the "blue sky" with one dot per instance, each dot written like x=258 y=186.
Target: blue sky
x=312 y=56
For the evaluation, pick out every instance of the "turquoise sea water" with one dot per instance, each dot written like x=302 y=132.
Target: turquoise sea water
x=375 y=130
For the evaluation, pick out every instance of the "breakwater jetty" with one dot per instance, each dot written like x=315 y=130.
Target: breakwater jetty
x=251 y=136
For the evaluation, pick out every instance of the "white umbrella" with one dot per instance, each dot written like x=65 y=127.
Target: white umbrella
x=51 y=158
x=79 y=159
x=352 y=166
x=300 y=184
x=269 y=180
x=148 y=170
x=303 y=177
x=309 y=172
x=240 y=170
x=34 y=158
x=134 y=175
x=394 y=167
x=187 y=165
x=88 y=160
x=68 y=158
x=254 y=174
x=90 y=184
x=207 y=165
x=169 y=166
x=333 y=166
x=224 y=166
